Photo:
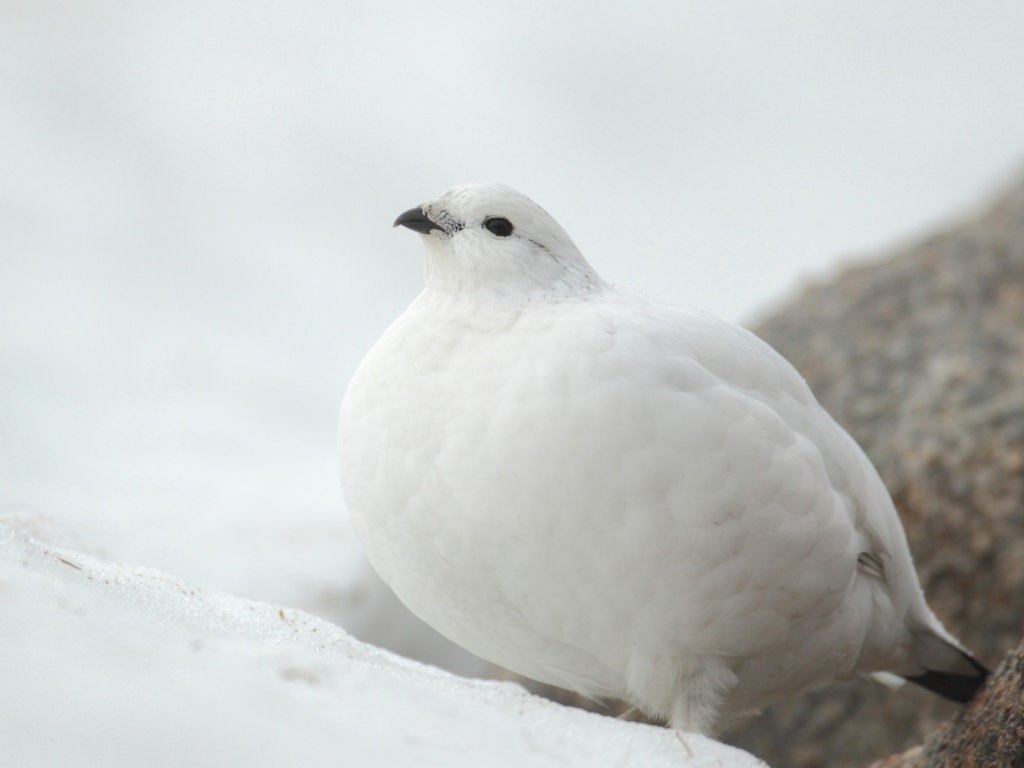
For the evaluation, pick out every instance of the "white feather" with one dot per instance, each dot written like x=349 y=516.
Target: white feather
x=611 y=494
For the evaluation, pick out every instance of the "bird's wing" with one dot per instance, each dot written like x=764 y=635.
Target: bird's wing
x=756 y=372
x=757 y=446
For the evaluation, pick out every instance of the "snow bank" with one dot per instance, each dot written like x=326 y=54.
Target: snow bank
x=104 y=664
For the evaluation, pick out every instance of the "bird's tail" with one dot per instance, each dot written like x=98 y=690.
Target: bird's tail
x=949 y=670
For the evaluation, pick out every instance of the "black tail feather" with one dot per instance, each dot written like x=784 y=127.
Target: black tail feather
x=951 y=685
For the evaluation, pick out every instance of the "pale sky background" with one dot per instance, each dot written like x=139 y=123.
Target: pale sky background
x=196 y=201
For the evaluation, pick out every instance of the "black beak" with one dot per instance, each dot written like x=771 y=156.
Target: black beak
x=416 y=220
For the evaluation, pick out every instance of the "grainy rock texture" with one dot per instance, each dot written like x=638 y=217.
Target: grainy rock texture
x=921 y=357
x=988 y=732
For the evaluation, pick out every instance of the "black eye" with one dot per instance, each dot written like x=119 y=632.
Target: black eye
x=498 y=226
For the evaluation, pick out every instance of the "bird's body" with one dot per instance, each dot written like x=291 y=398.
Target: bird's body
x=617 y=496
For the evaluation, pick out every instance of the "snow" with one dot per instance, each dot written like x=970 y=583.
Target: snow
x=108 y=665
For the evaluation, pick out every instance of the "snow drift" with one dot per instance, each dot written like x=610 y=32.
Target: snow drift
x=104 y=664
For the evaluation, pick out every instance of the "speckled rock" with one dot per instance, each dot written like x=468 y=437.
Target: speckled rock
x=921 y=357
x=988 y=732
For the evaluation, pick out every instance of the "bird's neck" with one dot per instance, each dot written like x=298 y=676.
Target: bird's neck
x=510 y=282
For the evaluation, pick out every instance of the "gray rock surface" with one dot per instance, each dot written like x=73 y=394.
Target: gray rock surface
x=987 y=732
x=921 y=357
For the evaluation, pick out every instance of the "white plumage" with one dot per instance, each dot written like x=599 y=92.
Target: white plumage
x=619 y=496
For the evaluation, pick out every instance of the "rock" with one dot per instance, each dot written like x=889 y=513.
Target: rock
x=921 y=357
x=989 y=731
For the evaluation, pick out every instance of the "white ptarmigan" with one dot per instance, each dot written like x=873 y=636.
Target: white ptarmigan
x=619 y=496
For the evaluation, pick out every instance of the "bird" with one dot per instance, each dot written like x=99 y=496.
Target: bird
x=618 y=496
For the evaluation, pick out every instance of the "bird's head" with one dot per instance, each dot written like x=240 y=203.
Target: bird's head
x=488 y=239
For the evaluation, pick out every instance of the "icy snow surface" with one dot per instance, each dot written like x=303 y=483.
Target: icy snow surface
x=108 y=665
